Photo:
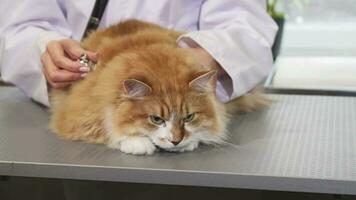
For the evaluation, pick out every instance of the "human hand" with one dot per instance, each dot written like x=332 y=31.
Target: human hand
x=203 y=58
x=60 y=65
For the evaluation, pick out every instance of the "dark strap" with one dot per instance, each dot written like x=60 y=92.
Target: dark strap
x=95 y=16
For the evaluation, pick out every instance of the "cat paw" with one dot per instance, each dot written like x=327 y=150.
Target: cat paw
x=190 y=147
x=137 y=146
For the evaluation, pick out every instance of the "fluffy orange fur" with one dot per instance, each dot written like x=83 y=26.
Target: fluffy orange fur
x=142 y=74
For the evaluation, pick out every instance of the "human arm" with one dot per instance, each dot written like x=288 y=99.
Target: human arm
x=25 y=34
x=238 y=34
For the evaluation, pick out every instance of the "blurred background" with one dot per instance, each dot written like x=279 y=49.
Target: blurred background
x=318 y=44
x=319 y=27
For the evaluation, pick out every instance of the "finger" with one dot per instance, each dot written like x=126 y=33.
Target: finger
x=56 y=85
x=59 y=59
x=75 y=51
x=63 y=75
x=55 y=74
x=45 y=72
x=72 y=48
x=92 y=56
x=48 y=66
x=59 y=85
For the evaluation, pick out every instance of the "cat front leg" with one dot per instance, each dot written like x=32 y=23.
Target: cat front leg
x=136 y=145
x=190 y=147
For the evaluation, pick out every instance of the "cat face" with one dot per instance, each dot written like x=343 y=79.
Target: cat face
x=174 y=120
x=164 y=96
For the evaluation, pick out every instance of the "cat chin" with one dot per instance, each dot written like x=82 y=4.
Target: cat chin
x=140 y=145
x=191 y=143
x=190 y=146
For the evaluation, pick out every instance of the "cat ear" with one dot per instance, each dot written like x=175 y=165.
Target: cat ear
x=135 y=88
x=203 y=83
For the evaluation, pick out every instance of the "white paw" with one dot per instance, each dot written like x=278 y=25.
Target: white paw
x=189 y=147
x=137 y=146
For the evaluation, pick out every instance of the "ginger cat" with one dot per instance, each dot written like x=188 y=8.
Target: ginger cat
x=145 y=93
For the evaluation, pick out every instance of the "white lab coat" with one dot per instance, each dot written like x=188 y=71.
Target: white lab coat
x=237 y=33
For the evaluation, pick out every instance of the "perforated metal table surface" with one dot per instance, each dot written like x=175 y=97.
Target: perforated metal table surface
x=301 y=143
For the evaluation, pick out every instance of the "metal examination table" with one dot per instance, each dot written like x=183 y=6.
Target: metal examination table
x=301 y=143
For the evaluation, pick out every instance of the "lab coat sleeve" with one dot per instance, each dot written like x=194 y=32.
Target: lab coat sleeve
x=29 y=26
x=238 y=34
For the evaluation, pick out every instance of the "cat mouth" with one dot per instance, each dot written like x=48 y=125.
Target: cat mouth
x=168 y=149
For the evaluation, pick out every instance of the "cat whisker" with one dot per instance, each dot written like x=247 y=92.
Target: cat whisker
x=218 y=142
x=229 y=144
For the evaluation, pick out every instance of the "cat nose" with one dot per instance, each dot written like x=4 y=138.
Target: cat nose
x=176 y=142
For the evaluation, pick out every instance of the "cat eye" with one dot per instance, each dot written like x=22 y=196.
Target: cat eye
x=189 y=118
x=156 y=120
